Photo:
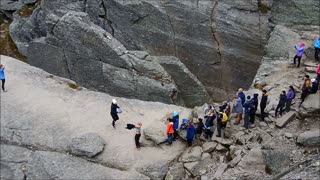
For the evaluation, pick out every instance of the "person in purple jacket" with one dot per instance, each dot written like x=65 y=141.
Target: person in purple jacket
x=291 y=93
x=300 y=50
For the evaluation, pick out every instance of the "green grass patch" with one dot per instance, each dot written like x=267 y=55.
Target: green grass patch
x=263 y=8
x=73 y=86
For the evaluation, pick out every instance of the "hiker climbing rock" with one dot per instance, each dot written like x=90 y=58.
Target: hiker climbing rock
x=190 y=134
x=175 y=120
x=170 y=131
x=300 y=49
x=246 y=107
x=237 y=108
x=253 y=109
x=115 y=109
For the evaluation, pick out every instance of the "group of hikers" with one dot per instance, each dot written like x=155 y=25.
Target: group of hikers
x=243 y=106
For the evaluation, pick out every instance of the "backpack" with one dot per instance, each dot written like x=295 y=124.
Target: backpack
x=224 y=117
x=184 y=124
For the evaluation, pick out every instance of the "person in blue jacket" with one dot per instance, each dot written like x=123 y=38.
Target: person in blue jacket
x=247 y=106
x=2 y=77
x=175 y=120
x=242 y=96
x=317 y=49
x=190 y=134
x=300 y=50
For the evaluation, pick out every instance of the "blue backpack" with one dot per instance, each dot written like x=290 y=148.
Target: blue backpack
x=184 y=124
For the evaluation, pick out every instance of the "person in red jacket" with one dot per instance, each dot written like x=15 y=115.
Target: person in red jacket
x=170 y=131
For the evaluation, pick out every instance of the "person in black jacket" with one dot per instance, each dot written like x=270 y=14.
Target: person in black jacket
x=114 y=112
x=281 y=104
x=263 y=103
x=253 y=109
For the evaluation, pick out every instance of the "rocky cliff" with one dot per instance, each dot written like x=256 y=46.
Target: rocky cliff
x=219 y=44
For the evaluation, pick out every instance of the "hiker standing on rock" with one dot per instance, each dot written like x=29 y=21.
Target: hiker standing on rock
x=263 y=103
x=199 y=130
x=210 y=115
x=242 y=96
x=2 y=77
x=281 y=103
x=314 y=86
x=305 y=89
x=300 y=50
x=291 y=94
x=237 y=108
x=115 y=109
x=190 y=134
x=253 y=109
x=247 y=107
x=170 y=131
x=175 y=120
x=138 y=134
x=317 y=50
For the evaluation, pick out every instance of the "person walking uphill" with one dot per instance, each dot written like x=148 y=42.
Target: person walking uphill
x=237 y=108
x=281 y=103
x=170 y=131
x=199 y=130
x=190 y=134
x=317 y=49
x=115 y=109
x=2 y=77
x=305 y=89
x=291 y=94
x=138 y=135
x=300 y=50
x=175 y=120
x=263 y=103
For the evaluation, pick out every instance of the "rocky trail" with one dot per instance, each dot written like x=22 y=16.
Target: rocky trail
x=50 y=130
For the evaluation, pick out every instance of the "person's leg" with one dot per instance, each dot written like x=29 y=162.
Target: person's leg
x=174 y=134
x=316 y=54
x=281 y=109
x=170 y=137
x=251 y=118
x=303 y=96
x=246 y=120
x=288 y=105
x=136 y=138
x=3 y=81
x=219 y=124
x=276 y=111
x=299 y=59
x=262 y=112
x=294 y=59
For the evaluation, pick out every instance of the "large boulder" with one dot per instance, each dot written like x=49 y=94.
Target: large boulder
x=208 y=147
x=276 y=161
x=199 y=167
x=156 y=170
x=86 y=145
x=253 y=161
x=191 y=156
x=309 y=138
x=176 y=172
x=156 y=132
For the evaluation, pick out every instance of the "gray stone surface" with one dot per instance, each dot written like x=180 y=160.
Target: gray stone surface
x=176 y=172
x=52 y=165
x=156 y=170
x=309 y=138
x=235 y=161
x=89 y=145
x=254 y=160
x=208 y=147
x=276 y=160
x=10 y=5
x=220 y=170
x=285 y=119
x=156 y=132
x=193 y=155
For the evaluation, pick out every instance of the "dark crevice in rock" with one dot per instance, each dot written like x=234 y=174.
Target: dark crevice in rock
x=139 y=19
x=55 y=24
x=172 y=30
x=246 y=10
x=105 y=17
x=17 y=162
x=213 y=31
x=67 y=64
x=197 y=3
x=85 y=5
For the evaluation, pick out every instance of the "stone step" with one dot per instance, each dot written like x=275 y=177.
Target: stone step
x=285 y=119
x=310 y=64
x=310 y=69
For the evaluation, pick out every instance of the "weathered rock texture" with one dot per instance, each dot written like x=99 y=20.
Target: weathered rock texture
x=214 y=39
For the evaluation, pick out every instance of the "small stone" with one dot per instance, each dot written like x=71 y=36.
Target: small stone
x=221 y=148
x=288 y=135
